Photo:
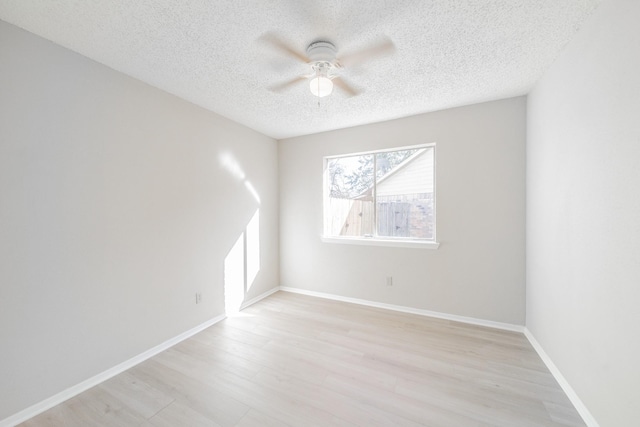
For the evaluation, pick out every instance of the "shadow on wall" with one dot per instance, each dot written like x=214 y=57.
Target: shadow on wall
x=242 y=263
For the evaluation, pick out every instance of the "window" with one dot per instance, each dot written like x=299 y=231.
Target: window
x=381 y=196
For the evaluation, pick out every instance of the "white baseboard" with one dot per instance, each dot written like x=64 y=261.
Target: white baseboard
x=67 y=394
x=569 y=391
x=64 y=395
x=403 y=309
x=564 y=384
x=259 y=297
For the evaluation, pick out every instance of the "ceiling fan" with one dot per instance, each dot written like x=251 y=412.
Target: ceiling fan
x=325 y=66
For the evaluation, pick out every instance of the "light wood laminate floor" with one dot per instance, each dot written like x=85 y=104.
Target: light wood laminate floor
x=293 y=360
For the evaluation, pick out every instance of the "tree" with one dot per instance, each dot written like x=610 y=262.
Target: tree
x=352 y=176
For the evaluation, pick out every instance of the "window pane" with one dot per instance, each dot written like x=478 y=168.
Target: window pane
x=385 y=194
x=404 y=198
x=387 y=161
x=350 y=200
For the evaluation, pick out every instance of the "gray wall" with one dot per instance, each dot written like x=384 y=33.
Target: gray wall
x=478 y=271
x=118 y=202
x=583 y=213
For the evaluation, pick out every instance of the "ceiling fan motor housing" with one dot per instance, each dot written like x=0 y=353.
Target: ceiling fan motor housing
x=321 y=51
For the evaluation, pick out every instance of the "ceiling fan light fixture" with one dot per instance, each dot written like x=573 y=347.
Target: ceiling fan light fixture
x=321 y=86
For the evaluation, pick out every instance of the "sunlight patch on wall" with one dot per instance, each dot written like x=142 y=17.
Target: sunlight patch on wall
x=253 y=248
x=252 y=190
x=234 y=277
x=242 y=265
x=231 y=165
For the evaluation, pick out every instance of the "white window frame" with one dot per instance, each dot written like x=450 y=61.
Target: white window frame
x=403 y=242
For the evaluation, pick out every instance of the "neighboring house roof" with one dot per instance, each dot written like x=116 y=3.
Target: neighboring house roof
x=404 y=174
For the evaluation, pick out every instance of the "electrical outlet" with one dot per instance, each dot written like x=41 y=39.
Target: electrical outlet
x=198 y=297
x=389 y=281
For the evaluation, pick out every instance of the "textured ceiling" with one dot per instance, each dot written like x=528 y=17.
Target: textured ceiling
x=448 y=52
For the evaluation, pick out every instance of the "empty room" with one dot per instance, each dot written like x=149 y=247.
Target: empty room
x=304 y=213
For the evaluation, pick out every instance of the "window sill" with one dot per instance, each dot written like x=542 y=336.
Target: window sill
x=382 y=242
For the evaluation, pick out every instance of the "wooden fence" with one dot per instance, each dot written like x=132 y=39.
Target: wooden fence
x=410 y=215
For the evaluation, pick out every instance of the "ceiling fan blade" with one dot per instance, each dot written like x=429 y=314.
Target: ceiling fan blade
x=284 y=47
x=385 y=47
x=345 y=87
x=281 y=87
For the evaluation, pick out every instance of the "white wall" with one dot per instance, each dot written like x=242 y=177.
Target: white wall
x=583 y=213
x=478 y=271
x=115 y=209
